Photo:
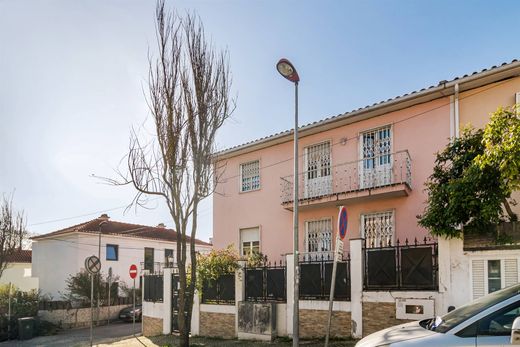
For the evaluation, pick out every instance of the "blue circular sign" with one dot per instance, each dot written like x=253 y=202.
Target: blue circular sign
x=343 y=222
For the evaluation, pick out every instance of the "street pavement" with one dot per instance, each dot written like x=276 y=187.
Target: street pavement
x=116 y=331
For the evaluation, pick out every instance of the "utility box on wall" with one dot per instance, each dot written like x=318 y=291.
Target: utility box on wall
x=414 y=309
x=256 y=321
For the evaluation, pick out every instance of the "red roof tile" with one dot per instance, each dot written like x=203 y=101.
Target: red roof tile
x=109 y=227
x=20 y=256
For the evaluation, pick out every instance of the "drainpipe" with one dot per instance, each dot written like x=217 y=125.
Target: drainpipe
x=456 y=111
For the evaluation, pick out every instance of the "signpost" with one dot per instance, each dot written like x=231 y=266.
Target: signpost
x=338 y=253
x=109 y=290
x=93 y=265
x=133 y=275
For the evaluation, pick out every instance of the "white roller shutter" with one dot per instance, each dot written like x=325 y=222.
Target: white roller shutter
x=478 y=278
x=511 y=272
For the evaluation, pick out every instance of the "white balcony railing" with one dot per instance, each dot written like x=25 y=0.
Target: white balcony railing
x=368 y=173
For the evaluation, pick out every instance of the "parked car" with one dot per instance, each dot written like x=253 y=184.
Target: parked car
x=493 y=320
x=127 y=314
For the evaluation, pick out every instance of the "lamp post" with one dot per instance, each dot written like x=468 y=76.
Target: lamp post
x=287 y=70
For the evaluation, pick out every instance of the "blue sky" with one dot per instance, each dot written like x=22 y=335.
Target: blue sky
x=71 y=76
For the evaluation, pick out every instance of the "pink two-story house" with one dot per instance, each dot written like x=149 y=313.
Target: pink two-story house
x=374 y=160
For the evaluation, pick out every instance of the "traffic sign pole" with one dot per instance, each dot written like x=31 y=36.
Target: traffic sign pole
x=342 y=231
x=133 y=275
x=133 y=315
x=109 y=290
x=91 y=306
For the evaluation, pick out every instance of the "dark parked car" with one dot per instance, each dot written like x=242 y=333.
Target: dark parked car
x=127 y=314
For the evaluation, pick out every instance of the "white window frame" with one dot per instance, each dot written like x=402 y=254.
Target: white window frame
x=241 y=242
x=492 y=256
x=241 y=186
x=377 y=242
x=307 y=223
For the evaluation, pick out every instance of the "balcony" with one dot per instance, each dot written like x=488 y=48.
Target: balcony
x=378 y=177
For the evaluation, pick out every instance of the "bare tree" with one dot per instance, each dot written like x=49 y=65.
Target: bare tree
x=12 y=231
x=188 y=96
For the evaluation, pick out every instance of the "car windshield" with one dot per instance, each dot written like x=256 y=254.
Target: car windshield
x=462 y=313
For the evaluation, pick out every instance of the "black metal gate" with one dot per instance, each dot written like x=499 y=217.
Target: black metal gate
x=412 y=266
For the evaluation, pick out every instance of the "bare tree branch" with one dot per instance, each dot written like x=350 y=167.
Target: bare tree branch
x=188 y=98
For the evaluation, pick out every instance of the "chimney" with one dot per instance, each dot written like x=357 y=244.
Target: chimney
x=104 y=217
x=161 y=225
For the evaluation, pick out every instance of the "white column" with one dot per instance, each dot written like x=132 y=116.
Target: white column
x=454 y=278
x=240 y=288
x=167 y=301
x=195 y=315
x=290 y=293
x=356 y=286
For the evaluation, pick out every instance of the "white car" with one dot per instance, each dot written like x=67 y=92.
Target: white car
x=493 y=320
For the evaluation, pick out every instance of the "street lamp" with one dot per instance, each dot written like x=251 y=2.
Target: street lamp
x=287 y=70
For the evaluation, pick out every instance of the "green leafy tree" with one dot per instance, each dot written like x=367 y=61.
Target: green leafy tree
x=463 y=195
x=78 y=287
x=212 y=265
x=501 y=141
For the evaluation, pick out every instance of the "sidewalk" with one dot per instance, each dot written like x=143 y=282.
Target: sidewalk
x=163 y=341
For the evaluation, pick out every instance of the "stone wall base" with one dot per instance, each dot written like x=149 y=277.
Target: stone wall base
x=152 y=326
x=313 y=323
x=378 y=316
x=217 y=325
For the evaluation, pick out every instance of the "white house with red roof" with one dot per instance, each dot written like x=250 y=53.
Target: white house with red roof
x=59 y=254
x=18 y=271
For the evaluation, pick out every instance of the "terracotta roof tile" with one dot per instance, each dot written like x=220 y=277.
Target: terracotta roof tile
x=110 y=227
x=20 y=256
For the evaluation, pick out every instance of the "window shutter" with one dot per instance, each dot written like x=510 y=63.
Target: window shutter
x=477 y=275
x=250 y=234
x=511 y=272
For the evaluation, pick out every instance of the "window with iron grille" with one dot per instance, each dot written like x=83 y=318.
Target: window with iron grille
x=377 y=146
x=376 y=149
x=378 y=229
x=318 y=160
x=318 y=235
x=250 y=176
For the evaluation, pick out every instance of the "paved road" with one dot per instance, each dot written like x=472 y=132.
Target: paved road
x=80 y=337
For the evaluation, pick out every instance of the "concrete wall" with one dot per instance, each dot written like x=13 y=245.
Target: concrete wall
x=54 y=260
x=80 y=317
x=218 y=320
x=152 y=326
x=314 y=316
x=20 y=275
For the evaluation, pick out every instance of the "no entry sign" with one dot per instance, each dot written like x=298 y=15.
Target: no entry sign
x=133 y=271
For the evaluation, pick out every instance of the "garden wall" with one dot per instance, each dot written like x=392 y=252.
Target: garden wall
x=79 y=317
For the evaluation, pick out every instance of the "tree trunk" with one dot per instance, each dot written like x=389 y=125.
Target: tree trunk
x=512 y=216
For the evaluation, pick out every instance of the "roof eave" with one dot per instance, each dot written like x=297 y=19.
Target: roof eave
x=442 y=90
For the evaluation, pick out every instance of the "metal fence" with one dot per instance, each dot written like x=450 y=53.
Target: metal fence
x=152 y=267
x=350 y=177
x=408 y=266
x=266 y=282
x=316 y=276
x=220 y=291
x=153 y=288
